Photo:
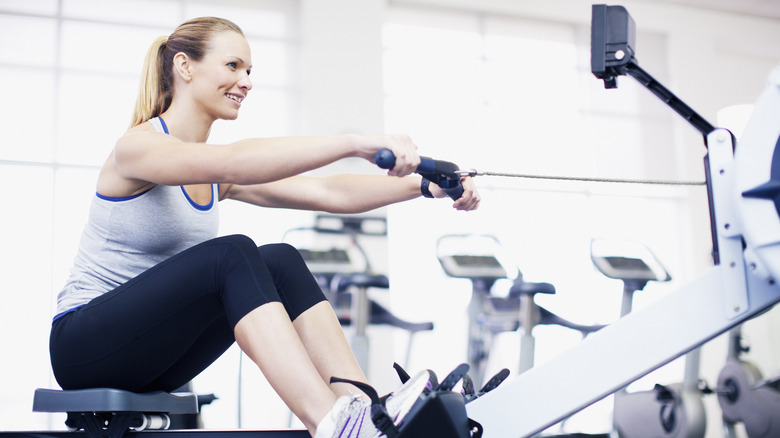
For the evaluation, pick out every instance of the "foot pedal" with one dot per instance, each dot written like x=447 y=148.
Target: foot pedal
x=453 y=378
x=439 y=414
x=468 y=388
x=441 y=411
x=470 y=394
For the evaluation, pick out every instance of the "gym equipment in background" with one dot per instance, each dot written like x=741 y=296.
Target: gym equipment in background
x=745 y=396
x=482 y=260
x=335 y=254
x=673 y=411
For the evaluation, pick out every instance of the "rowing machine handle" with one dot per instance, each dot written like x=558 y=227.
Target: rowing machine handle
x=442 y=173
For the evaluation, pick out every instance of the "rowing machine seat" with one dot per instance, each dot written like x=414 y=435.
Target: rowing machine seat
x=109 y=412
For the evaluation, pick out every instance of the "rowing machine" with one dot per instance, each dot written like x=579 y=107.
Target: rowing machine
x=744 y=198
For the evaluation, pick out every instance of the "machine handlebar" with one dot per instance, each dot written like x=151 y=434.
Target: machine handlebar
x=442 y=173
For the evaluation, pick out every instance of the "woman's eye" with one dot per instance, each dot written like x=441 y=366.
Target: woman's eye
x=232 y=65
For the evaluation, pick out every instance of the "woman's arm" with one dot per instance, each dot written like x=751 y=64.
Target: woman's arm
x=149 y=156
x=343 y=194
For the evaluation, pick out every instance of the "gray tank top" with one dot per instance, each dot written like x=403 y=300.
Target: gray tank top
x=125 y=236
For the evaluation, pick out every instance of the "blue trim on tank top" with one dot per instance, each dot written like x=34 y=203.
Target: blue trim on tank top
x=164 y=126
x=206 y=207
x=60 y=315
x=123 y=198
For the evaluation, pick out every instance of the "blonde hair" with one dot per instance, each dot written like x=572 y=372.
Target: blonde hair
x=191 y=38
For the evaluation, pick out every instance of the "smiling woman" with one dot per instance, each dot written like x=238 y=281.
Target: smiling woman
x=156 y=92
x=150 y=267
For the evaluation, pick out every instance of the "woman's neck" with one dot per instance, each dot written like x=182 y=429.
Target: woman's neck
x=187 y=125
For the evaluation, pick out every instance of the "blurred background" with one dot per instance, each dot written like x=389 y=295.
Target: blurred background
x=496 y=85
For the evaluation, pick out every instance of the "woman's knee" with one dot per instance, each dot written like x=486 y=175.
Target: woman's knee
x=240 y=240
x=297 y=287
x=237 y=249
x=284 y=249
x=282 y=255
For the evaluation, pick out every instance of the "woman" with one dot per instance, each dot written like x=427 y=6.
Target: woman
x=155 y=297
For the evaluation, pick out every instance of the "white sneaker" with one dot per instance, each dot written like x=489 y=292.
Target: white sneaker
x=350 y=417
x=400 y=402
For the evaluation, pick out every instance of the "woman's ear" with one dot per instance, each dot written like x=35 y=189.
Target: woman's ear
x=182 y=66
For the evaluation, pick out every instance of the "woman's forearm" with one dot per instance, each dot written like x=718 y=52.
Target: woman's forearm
x=361 y=193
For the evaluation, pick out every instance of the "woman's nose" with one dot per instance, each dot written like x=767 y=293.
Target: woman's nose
x=245 y=83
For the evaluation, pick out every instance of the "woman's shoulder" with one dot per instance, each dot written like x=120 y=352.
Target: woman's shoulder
x=142 y=135
x=146 y=126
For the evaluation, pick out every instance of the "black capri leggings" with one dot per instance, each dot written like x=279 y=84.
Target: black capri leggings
x=162 y=328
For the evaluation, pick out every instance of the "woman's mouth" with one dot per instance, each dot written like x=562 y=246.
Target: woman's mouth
x=235 y=97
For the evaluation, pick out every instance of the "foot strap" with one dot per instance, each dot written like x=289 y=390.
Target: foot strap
x=379 y=414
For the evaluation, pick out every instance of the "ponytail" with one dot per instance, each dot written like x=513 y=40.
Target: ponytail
x=153 y=94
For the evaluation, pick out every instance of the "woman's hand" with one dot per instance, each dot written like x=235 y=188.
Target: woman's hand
x=402 y=146
x=468 y=201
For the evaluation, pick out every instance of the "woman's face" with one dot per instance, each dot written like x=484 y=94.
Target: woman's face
x=221 y=78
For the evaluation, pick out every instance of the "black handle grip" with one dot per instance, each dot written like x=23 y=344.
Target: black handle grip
x=442 y=173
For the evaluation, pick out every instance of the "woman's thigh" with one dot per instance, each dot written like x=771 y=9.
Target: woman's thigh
x=173 y=316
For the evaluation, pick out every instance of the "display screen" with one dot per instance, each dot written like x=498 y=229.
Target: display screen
x=628 y=264
x=329 y=256
x=473 y=261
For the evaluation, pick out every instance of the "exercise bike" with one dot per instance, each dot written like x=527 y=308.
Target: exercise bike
x=482 y=260
x=674 y=411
